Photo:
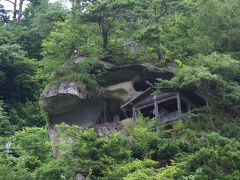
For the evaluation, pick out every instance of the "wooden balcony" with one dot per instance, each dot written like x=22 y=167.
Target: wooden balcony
x=172 y=117
x=169 y=118
x=167 y=107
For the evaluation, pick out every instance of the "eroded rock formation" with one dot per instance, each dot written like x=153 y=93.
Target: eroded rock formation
x=66 y=103
x=98 y=109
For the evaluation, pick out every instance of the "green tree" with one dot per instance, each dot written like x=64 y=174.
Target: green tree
x=215 y=78
x=3 y=15
x=217 y=158
x=6 y=128
x=39 y=20
x=32 y=142
x=105 y=14
x=31 y=150
x=52 y=170
x=17 y=73
x=91 y=155
x=28 y=114
x=218 y=21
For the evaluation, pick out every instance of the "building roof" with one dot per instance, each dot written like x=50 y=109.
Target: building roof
x=148 y=97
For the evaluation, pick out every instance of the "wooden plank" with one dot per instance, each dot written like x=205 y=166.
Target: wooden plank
x=145 y=106
x=169 y=118
x=156 y=97
x=132 y=101
x=152 y=103
x=124 y=113
x=158 y=100
x=156 y=109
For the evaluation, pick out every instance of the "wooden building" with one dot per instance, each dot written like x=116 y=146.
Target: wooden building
x=167 y=106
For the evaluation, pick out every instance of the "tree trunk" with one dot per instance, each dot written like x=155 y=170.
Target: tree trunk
x=210 y=112
x=15 y=10
x=20 y=9
x=159 y=53
x=105 y=38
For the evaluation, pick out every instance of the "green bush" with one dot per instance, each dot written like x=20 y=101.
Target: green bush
x=218 y=158
x=32 y=142
x=11 y=171
x=231 y=130
x=91 y=155
x=28 y=114
x=140 y=169
x=53 y=170
x=6 y=128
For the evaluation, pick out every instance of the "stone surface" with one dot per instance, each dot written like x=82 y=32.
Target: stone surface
x=98 y=109
x=122 y=91
x=79 y=176
x=52 y=131
x=111 y=127
x=85 y=108
x=84 y=113
x=57 y=100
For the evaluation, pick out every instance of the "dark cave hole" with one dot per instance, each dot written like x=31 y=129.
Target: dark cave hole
x=143 y=85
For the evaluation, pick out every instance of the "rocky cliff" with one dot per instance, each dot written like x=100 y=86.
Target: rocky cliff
x=99 y=109
x=66 y=103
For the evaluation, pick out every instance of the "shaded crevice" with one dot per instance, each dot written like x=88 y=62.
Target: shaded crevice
x=143 y=85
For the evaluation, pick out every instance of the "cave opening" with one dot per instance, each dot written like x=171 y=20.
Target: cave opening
x=143 y=85
x=112 y=112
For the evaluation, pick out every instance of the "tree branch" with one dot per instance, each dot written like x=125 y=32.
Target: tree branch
x=10 y=1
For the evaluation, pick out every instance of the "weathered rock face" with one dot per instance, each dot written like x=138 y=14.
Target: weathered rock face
x=98 y=109
x=86 y=108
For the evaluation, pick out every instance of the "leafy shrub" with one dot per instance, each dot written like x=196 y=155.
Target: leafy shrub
x=28 y=114
x=6 y=128
x=218 y=158
x=91 y=155
x=53 y=170
x=10 y=170
x=231 y=130
x=140 y=167
x=32 y=142
x=147 y=142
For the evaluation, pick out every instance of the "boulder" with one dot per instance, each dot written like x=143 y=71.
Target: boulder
x=98 y=109
x=87 y=107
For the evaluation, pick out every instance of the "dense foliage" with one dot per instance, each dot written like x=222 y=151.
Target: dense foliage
x=48 y=42
x=137 y=152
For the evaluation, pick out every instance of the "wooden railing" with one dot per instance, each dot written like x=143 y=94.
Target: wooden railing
x=157 y=97
x=171 y=117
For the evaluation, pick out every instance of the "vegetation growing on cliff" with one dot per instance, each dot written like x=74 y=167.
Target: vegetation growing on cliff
x=201 y=39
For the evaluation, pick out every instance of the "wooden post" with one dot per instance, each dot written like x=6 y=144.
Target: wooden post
x=134 y=114
x=124 y=113
x=104 y=111
x=179 y=105
x=156 y=109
